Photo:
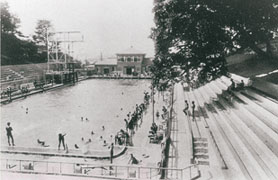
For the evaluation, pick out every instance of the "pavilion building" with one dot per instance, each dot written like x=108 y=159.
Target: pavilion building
x=127 y=62
x=130 y=61
x=106 y=66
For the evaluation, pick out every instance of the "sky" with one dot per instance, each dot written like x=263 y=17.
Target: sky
x=108 y=26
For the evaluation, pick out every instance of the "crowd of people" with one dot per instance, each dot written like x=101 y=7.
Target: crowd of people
x=132 y=122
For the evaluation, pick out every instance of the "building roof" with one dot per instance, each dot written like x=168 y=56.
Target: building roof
x=130 y=51
x=107 y=62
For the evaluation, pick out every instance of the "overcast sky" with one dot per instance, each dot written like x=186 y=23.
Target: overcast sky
x=108 y=26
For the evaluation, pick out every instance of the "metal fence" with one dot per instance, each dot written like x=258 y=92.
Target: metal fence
x=96 y=170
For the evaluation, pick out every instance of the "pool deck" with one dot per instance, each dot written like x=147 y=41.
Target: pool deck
x=71 y=153
x=6 y=100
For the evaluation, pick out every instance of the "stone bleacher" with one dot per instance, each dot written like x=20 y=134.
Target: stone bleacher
x=8 y=74
x=19 y=72
x=241 y=128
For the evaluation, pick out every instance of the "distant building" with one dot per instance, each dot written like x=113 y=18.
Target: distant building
x=130 y=61
x=127 y=62
x=106 y=66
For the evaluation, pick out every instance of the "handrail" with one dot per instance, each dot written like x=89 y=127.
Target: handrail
x=100 y=170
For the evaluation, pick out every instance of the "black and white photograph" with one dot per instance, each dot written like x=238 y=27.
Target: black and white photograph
x=139 y=90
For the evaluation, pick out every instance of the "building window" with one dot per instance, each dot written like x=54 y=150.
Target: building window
x=113 y=69
x=121 y=59
x=136 y=59
x=128 y=59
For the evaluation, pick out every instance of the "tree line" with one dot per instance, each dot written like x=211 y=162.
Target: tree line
x=193 y=37
x=19 y=49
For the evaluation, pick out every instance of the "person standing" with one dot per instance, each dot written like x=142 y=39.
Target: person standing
x=233 y=85
x=193 y=110
x=9 y=134
x=126 y=125
x=186 y=107
x=111 y=152
x=61 y=140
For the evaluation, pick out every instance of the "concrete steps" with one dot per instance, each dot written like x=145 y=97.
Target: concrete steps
x=263 y=155
x=201 y=151
x=252 y=142
x=268 y=118
x=266 y=103
x=266 y=133
x=203 y=154
x=235 y=165
x=270 y=105
x=243 y=128
x=252 y=166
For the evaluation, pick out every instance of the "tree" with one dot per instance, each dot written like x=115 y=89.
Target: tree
x=43 y=27
x=250 y=23
x=192 y=37
x=9 y=22
x=14 y=49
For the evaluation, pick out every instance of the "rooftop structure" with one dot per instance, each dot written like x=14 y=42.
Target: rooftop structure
x=130 y=51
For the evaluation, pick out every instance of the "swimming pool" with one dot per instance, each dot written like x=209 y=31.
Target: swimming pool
x=104 y=102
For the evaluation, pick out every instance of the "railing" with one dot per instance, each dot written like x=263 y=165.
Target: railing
x=95 y=170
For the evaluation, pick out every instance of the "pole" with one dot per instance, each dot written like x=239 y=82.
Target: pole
x=153 y=100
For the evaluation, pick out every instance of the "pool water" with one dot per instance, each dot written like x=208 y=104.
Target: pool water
x=104 y=102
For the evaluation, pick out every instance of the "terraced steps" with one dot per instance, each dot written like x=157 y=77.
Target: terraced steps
x=241 y=128
x=265 y=163
x=256 y=147
x=228 y=155
x=201 y=151
x=270 y=105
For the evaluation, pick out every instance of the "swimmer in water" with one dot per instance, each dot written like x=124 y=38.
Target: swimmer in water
x=87 y=119
x=100 y=138
x=42 y=143
x=82 y=139
x=103 y=128
x=92 y=133
x=81 y=118
x=26 y=110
